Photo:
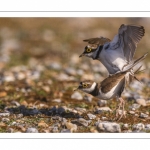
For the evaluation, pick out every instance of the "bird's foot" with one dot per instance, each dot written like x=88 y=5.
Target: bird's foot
x=120 y=113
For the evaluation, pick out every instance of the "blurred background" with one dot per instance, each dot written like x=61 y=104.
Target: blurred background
x=48 y=39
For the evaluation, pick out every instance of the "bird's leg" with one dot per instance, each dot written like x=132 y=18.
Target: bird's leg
x=121 y=104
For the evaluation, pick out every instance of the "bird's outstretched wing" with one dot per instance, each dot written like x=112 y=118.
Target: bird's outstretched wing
x=131 y=36
x=97 y=41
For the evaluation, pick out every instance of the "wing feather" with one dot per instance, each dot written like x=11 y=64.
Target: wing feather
x=131 y=35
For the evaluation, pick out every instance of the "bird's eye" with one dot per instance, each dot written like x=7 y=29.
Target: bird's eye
x=84 y=85
x=88 y=50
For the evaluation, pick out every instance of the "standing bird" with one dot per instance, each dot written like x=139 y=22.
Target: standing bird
x=111 y=86
x=117 y=54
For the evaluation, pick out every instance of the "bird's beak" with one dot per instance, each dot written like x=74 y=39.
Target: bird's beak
x=81 y=55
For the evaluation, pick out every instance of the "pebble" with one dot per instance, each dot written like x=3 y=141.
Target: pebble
x=87 y=98
x=109 y=127
x=57 y=100
x=65 y=77
x=93 y=130
x=138 y=127
x=102 y=109
x=104 y=118
x=91 y=116
x=9 y=78
x=85 y=67
x=134 y=106
x=65 y=131
x=102 y=103
x=76 y=95
x=80 y=72
x=147 y=127
x=131 y=112
x=5 y=119
x=142 y=115
x=82 y=121
x=82 y=110
x=125 y=126
x=72 y=127
x=74 y=59
x=4 y=114
x=55 y=130
x=136 y=115
x=55 y=66
x=31 y=130
x=15 y=103
x=70 y=71
x=148 y=102
x=42 y=124
x=141 y=102
x=10 y=130
x=3 y=94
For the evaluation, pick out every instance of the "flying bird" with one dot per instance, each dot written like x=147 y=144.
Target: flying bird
x=117 y=54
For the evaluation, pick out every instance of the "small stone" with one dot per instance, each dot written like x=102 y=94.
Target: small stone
x=147 y=127
x=102 y=103
x=31 y=130
x=147 y=112
x=134 y=106
x=125 y=126
x=80 y=72
x=19 y=115
x=15 y=103
x=72 y=127
x=65 y=131
x=13 y=123
x=93 y=130
x=138 y=127
x=5 y=119
x=91 y=116
x=55 y=66
x=136 y=115
x=104 y=118
x=2 y=124
x=46 y=88
x=82 y=110
x=70 y=71
x=3 y=94
x=55 y=130
x=10 y=130
x=20 y=75
x=76 y=95
x=82 y=121
x=131 y=112
x=22 y=128
x=4 y=114
x=141 y=102
x=142 y=115
x=103 y=109
x=127 y=131
x=10 y=78
x=57 y=100
x=42 y=124
x=87 y=98
x=109 y=127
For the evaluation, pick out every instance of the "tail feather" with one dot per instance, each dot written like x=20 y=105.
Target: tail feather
x=129 y=67
x=131 y=75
